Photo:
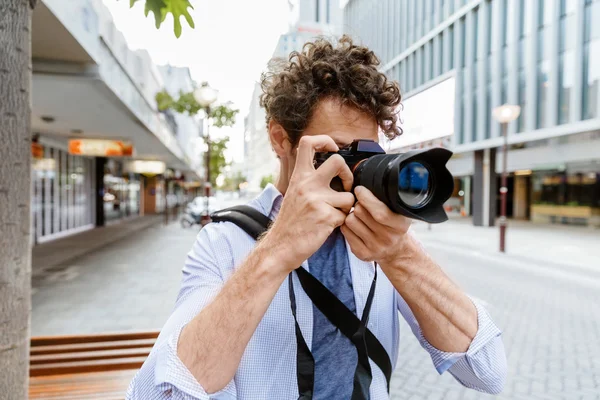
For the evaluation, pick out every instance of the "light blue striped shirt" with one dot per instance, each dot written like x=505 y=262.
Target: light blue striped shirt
x=268 y=367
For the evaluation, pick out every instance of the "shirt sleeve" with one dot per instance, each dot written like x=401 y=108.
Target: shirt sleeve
x=482 y=367
x=163 y=375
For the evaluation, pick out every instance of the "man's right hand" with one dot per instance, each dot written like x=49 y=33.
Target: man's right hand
x=311 y=209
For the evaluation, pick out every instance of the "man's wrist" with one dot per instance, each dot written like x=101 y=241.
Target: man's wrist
x=409 y=259
x=277 y=258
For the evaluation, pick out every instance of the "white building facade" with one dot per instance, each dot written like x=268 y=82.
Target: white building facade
x=308 y=20
x=99 y=145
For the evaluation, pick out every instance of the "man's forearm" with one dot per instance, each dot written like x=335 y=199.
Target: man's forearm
x=212 y=344
x=447 y=317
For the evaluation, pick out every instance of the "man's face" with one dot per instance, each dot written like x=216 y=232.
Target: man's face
x=342 y=123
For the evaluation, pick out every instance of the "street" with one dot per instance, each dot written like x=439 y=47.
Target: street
x=549 y=312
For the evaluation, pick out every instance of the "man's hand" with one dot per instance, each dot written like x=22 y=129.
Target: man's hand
x=446 y=316
x=373 y=231
x=311 y=210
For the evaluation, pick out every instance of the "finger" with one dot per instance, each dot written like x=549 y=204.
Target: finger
x=337 y=217
x=359 y=228
x=307 y=147
x=340 y=200
x=357 y=246
x=336 y=166
x=362 y=214
x=395 y=221
x=378 y=210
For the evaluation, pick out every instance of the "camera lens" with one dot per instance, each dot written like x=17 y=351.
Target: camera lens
x=414 y=184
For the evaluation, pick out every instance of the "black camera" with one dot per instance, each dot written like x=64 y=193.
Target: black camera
x=415 y=184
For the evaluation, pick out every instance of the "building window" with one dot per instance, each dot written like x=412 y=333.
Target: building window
x=591 y=60
x=317 y=10
x=522 y=100
x=463 y=55
x=591 y=79
x=450 y=38
x=488 y=112
x=565 y=76
x=543 y=92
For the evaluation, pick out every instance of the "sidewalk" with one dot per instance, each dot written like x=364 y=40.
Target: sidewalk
x=61 y=251
x=557 y=245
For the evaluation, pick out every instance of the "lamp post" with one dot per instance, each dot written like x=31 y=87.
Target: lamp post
x=504 y=114
x=206 y=96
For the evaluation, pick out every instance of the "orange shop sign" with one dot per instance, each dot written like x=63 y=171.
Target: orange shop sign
x=100 y=148
x=37 y=150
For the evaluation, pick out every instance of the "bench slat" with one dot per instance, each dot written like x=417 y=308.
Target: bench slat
x=87 y=366
x=110 y=385
x=81 y=347
x=89 y=355
x=103 y=337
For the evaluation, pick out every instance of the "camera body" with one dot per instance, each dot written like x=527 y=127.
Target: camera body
x=415 y=184
x=355 y=153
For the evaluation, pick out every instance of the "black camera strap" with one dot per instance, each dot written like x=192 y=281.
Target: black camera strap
x=254 y=223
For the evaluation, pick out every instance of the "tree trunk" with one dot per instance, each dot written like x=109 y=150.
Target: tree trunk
x=15 y=153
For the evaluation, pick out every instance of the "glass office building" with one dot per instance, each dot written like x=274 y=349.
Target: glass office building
x=543 y=55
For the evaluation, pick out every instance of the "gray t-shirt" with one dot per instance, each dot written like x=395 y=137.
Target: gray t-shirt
x=335 y=355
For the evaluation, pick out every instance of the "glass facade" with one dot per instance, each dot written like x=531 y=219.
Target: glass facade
x=540 y=55
x=591 y=59
x=571 y=187
x=62 y=194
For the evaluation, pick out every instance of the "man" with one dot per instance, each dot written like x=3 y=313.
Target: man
x=231 y=335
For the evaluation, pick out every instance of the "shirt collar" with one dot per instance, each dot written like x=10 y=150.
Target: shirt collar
x=270 y=201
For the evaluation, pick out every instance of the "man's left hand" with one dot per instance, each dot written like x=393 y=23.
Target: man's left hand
x=373 y=231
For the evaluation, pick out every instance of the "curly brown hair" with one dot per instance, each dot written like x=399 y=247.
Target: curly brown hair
x=347 y=72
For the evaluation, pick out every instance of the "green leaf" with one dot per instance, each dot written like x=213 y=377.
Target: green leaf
x=158 y=8
x=179 y=8
x=164 y=101
x=132 y=3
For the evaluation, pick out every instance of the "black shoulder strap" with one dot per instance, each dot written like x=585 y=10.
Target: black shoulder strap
x=254 y=223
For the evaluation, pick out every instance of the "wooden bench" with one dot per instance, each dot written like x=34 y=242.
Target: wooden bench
x=86 y=366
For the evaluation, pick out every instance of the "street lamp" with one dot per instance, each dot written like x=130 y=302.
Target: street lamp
x=504 y=114
x=206 y=96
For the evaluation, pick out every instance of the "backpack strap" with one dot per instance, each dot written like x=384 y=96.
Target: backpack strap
x=254 y=223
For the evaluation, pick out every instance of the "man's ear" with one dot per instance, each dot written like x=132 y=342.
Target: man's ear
x=279 y=139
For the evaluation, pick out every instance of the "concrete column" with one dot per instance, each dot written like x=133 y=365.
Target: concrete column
x=482 y=56
x=552 y=103
x=531 y=66
x=576 y=106
x=520 y=198
x=484 y=188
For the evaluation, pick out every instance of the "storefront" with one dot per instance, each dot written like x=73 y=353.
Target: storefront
x=122 y=192
x=567 y=196
x=62 y=193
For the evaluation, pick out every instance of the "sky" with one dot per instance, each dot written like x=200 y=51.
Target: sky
x=229 y=48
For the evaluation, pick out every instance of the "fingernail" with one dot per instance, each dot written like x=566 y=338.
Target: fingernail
x=358 y=190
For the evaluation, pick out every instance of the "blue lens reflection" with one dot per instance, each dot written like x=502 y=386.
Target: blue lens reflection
x=413 y=184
